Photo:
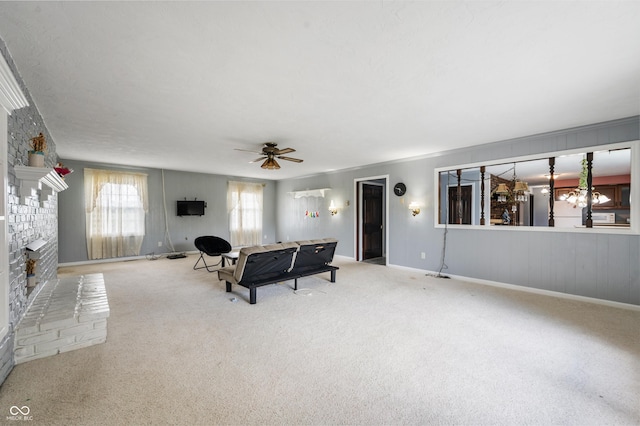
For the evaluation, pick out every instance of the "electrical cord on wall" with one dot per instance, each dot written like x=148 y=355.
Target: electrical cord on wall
x=167 y=235
x=443 y=265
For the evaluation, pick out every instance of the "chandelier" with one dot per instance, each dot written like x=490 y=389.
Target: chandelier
x=503 y=192
x=516 y=191
x=579 y=196
x=521 y=191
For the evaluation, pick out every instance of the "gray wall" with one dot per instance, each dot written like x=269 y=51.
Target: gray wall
x=30 y=220
x=177 y=186
x=593 y=265
x=407 y=233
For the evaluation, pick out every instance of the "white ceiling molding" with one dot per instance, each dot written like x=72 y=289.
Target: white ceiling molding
x=310 y=193
x=11 y=96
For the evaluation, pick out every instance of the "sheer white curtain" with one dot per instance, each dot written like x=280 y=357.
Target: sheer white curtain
x=244 y=204
x=115 y=206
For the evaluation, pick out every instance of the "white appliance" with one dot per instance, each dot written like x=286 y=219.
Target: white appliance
x=602 y=218
x=566 y=215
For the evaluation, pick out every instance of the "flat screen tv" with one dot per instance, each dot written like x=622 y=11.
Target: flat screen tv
x=191 y=208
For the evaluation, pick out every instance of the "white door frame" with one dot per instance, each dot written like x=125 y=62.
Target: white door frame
x=357 y=229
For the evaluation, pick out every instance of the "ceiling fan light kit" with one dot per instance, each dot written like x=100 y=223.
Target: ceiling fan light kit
x=270 y=164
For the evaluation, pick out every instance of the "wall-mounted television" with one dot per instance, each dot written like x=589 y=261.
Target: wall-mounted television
x=191 y=208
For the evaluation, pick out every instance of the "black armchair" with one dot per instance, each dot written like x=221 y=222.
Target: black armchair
x=211 y=246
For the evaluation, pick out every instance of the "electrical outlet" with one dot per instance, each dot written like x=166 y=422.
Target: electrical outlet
x=159 y=243
x=423 y=255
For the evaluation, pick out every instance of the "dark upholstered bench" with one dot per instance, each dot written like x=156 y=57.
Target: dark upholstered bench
x=262 y=265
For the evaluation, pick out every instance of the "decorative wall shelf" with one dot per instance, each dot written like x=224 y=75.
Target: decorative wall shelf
x=33 y=248
x=310 y=193
x=32 y=178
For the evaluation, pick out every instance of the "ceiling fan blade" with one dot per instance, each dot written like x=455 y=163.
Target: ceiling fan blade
x=247 y=150
x=295 y=160
x=269 y=153
x=284 y=151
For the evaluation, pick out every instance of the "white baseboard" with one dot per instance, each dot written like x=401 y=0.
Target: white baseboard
x=121 y=259
x=543 y=292
x=533 y=290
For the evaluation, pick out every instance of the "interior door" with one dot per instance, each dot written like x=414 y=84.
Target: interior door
x=465 y=207
x=372 y=221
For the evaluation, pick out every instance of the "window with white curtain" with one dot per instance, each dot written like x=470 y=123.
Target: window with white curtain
x=115 y=205
x=244 y=203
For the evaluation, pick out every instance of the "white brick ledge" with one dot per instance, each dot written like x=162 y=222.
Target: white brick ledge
x=67 y=314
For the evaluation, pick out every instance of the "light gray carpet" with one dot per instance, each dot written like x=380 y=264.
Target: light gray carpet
x=379 y=346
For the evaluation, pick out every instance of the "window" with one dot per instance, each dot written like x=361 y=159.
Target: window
x=244 y=203
x=520 y=193
x=115 y=205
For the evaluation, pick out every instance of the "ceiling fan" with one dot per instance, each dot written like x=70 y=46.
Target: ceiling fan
x=269 y=154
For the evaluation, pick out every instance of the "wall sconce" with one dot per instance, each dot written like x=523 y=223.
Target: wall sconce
x=333 y=209
x=414 y=207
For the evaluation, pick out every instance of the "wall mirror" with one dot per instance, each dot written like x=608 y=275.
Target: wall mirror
x=521 y=192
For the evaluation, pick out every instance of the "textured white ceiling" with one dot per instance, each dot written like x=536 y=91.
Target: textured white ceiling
x=179 y=85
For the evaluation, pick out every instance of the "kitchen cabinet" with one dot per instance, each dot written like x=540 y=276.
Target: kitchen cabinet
x=611 y=192
x=618 y=194
x=562 y=192
x=625 y=196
